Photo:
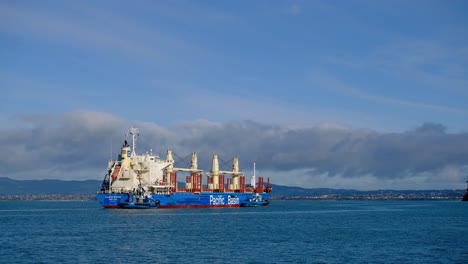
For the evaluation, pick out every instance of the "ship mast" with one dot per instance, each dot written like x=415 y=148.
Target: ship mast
x=253 y=180
x=134 y=132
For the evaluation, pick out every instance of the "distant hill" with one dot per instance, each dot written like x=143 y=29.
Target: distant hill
x=285 y=192
x=88 y=187
x=21 y=187
x=280 y=190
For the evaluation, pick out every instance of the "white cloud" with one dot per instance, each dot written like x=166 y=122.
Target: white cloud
x=65 y=145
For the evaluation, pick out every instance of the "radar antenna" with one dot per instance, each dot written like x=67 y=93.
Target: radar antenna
x=134 y=132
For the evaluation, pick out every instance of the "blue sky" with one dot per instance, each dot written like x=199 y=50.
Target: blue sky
x=384 y=66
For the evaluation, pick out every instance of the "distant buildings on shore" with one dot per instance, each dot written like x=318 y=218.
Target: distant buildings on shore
x=48 y=197
x=384 y=195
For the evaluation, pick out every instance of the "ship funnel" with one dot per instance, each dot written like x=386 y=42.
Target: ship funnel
x=235 y=173
x=125 y=155
x=215 y=167
x=235 y=165
x=215 y=172
x=194 y=162
x=170 y=159
x=253 y=181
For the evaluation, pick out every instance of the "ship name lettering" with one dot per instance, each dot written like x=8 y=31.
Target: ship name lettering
x=233 y=200
x=112 y=197
x=216 y=200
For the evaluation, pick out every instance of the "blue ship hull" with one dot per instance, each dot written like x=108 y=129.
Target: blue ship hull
x=178 y=200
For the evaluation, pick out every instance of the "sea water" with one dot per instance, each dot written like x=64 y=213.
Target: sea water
x=284 y=232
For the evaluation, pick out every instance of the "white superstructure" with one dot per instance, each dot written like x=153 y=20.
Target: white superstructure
x=131 y=170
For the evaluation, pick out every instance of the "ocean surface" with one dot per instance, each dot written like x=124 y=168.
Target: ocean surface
x=284 y=232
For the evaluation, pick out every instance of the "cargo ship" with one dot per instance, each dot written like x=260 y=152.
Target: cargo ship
x=145 y=181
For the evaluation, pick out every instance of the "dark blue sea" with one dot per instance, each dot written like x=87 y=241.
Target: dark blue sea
x=284 y=232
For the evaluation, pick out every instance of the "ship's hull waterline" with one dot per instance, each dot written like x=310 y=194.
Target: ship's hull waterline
x=181 y=200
